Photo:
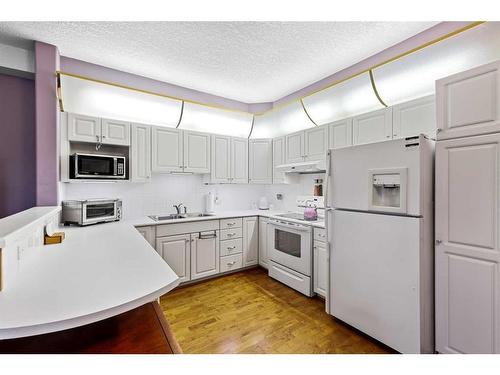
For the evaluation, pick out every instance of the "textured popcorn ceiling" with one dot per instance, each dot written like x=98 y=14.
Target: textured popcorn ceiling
x=246 y=61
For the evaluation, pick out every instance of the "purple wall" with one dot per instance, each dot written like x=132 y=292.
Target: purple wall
x=17 y=144
x=47 y=125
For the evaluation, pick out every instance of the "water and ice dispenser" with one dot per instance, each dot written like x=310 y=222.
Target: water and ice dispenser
x=388 y=190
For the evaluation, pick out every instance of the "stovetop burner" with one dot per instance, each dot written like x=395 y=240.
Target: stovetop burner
x=296 y=216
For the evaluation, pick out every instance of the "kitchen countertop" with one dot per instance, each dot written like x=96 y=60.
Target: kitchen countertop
x=12 y=225
x=97 y=272
x=146 y=221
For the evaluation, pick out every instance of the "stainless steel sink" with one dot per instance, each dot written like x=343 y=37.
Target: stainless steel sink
x=178 y=216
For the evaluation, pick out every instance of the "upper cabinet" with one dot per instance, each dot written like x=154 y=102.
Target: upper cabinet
x=414 y=117
x=239 y=160
x=229 y=160
x=83 y=128
x=167 y=153
x=174 y=150
x=315 y=143
x=140 y=153
x=468 y=103
x=278 y=159
x=114 y=132
x=221 y=159
x=294 y=147
x=307 y=145
x=260 y=161
x=371 y=127
x=340 y=134
x=196 y=152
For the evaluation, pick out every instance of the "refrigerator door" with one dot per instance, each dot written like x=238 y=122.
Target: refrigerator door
x=392 y=176
x=375 y=278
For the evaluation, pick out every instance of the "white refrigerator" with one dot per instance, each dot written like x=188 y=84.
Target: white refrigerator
x=379 y=204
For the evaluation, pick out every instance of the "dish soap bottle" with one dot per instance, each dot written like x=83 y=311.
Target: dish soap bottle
x=318 y=187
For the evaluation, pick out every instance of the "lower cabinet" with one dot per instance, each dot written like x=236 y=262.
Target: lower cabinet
x=204 y=254
x=250 y=241
x=149 y=233
x=320 y=270
x=176 y=251
x=263 y=241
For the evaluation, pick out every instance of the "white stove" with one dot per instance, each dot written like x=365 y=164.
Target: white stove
x=290 y=252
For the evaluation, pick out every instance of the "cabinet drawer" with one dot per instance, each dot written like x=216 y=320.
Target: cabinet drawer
x=291 y=278
x=320 y=234
x=229 y=234
x=230 y=247
x=231 y=262
x=236 y=222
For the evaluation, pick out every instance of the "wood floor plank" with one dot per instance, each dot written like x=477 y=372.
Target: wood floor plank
x=248 y=312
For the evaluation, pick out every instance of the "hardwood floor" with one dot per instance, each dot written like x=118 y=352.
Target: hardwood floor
x=248 y=312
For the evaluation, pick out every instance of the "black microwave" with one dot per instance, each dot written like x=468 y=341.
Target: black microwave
x=94 y=166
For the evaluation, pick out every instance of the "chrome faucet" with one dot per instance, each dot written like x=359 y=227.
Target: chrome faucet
x=178 y=208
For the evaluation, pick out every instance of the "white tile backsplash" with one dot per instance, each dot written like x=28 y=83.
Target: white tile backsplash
x=159 y=195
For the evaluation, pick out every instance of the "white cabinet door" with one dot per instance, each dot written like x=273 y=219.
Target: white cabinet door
x=167 y=150
x=278 y=159
x=115 y=132
x=239 y=160
x=260 y=162
x=263 y=241
x=250 y=241
x=149 y=233
x=340 y=134
x=175 y=250
x=316 y=143
x=294 y=148
x=196 y=152
x=221 y=159
x=372 y=127
x=84 y=128
x=320 y=273
x=140 y=150
x=415 y=117
x=468 y=103
x=204 y=254
x=467 y=249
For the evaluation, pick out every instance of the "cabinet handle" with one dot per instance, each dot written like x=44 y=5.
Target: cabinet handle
x=97 y=138
x=231 y=234
x=188 y=240
x=439 y=242
x=231 y=224
x=231 y=263
x=103 y=136
x=231 y=248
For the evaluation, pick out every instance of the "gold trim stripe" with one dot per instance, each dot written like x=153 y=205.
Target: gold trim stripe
x=397 y=57
x=374 y=87
x=59 y=94
x=180 y=117
x=307 y=113
x=251 y=129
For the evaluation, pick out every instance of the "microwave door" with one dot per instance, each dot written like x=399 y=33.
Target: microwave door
x=94 y=166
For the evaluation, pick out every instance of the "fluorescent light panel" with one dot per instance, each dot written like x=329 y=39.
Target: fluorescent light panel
x=107 y=101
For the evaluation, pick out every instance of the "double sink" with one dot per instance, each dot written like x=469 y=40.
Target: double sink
x=178 y=216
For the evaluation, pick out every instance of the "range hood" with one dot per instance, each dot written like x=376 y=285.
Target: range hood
x=303 y=167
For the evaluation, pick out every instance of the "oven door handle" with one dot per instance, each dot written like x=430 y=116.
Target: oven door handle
x=301 y=228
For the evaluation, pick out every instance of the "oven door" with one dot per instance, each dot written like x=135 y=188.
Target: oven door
x=291 y=246
x=96 y=212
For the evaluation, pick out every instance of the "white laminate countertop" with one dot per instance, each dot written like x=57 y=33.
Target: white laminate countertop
x=146 y=221
x=97 y=272
x=11 y=225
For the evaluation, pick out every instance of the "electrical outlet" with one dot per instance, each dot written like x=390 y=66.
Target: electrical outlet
x=279 y=197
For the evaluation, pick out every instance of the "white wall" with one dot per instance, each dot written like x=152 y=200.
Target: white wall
x=158 y=196
x=291 y=191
